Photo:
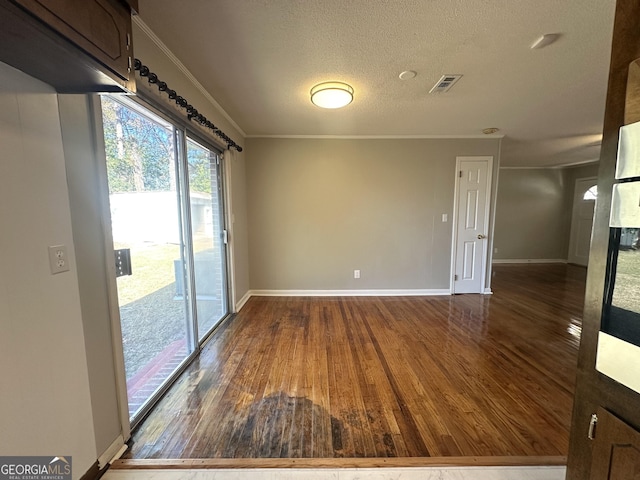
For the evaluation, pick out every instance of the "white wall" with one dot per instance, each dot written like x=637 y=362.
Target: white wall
x=45 y=405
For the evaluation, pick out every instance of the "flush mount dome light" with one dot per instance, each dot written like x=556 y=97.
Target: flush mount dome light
x=332 y=94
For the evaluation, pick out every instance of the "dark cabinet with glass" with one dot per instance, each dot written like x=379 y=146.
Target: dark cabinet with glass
x=608 y=363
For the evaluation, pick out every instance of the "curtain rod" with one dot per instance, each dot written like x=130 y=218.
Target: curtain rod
x=192 y=113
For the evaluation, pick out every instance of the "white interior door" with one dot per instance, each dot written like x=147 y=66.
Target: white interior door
x=584 y=201
x=472 y=223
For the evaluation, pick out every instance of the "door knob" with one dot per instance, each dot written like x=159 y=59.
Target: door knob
x=481 y=236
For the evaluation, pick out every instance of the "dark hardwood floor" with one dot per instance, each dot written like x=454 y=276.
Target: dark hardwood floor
x=462 y=375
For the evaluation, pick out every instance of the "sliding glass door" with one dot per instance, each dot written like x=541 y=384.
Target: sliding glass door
x=208 y=235
x=167 y=222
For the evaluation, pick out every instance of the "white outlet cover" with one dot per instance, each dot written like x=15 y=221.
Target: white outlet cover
x=58 y=259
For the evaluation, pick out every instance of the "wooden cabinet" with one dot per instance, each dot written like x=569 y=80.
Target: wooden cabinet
x=593 y=389
x=74 y=45
x=101 y=28
x=616 y=449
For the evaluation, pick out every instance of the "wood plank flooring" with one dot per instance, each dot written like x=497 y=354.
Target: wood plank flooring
x=447 y=376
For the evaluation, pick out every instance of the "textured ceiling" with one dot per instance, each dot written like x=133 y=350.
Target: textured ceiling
x=260 y=58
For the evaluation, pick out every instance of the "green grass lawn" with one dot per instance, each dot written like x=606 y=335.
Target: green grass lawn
x=152 y=269
x=152 y=316
x=626 y=294
x=152 y=265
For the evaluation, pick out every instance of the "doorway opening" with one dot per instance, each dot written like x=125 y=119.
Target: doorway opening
x=584 y=200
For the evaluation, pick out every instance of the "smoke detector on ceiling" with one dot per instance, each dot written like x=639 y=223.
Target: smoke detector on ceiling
x=407 y=75
x=445 y=83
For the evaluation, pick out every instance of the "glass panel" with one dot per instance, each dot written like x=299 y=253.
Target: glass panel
x=207 y=232
x=141 y=166
x=591 y=194
x=621 y=315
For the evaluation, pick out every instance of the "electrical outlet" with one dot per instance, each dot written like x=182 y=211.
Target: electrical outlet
x=495 y=250
x=445 y=218
x=58 y=260
x=356 y=274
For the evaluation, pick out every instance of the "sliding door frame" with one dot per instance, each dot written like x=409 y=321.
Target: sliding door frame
x=182 y=130
x=186 y=131
x=224 y=219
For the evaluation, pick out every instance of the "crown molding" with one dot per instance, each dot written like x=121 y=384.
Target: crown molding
x=551 y=167
x=376 y=137
x=171 y=56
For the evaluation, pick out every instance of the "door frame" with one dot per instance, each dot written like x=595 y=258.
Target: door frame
x=226 y=159
x=454 y=230
x=145 y=108
x=572 y=231
x=110 y=266
x=112 y=289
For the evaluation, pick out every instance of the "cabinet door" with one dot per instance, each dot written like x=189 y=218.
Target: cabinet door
x=616 y=449
x=102 y=28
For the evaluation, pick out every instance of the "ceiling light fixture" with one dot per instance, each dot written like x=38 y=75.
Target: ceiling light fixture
x=332 y=95
x=544 y=40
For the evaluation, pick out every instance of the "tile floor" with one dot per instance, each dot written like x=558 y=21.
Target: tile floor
x=426 y=473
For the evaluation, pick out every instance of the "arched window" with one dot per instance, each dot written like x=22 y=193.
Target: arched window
x=591 y=194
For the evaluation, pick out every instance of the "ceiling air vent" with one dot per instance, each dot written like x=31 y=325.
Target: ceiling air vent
x=445 y=83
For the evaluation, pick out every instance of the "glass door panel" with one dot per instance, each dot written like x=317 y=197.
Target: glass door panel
x=207 y=232
x=157 y=331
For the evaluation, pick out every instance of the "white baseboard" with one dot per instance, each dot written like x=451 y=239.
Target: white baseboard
x=349 y=293
x=528 y=260
x=487 y=291
x=243 y=300
x=116 y=449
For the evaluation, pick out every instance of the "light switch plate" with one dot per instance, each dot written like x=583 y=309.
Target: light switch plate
x=58 y=259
